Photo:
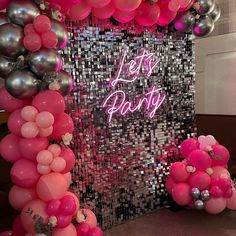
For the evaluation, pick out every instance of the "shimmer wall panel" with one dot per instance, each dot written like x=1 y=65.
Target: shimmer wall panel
x=132 y=105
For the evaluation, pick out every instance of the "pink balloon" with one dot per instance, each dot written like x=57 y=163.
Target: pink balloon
x=45 y=132
x=32 y=42
x=98 y=3
x=146 y=14
x=220 y=172
x=68 y=155
x=222 y=153
x=29 y=130
x=18 y=229
x=69 y=230
x=76 y=200
x=9 y=148
x=174 y=5
x=29 y=28
x=91 y=219
x=29 y=148
x=6 y=233
x=24 y=173
x=55 y=149
x=123 y=16
x=63 y=124
x=223 y=184
x=39 y=208
x=200 y=180
x=44 y=119
x=178 y=172
x=9 y=103
x=4 y=4
x=181 y=194
x=19 y=197
x=199 y=159
x=68 y=205
x=188 y=146
x=50 y=101
x=228 y=193
x=49 y=39
x=216 y=192
x=43 y=169
x=48 y=188
x=42 y=24
x=185 y=8
x=63 y=5
x=53 y=207
x=63 y=221
x=215 y=205
x=104 y=12
x=68 y=178
x=166 y=15
x=82 y=229
x=15 y=122
x=29 y=113
x=79 y=11
x=58 y=164
x=170 y=183
x=96 y=231
x=44 y=157
x=184 y=3
x=127 y=5
x=231 y=202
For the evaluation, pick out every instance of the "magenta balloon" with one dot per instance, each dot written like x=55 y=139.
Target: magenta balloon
x=24 y=173
x=231 y=202
x=77 y=203
x=188 y=146
x=6 y=233
x=127 y=5
x=18 y=229
x=53 y=207
x=170 y=183
x=104 y=12
x=69 y=156
x=215 y=191
x=63 y=221
x=123 y=16
x=9 y=103
x=166 y=15
x=181 y=194
x=178 y=172
x=82 y=229
x=96 y=231
x=200 y=180
x=215 y=205
x=222 y=155
x=29 y=148
x=15 y=122
x=68 y=205
x=4 y=4
x=9 y=148
x=79 y=11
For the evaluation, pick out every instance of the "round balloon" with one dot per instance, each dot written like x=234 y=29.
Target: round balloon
x=15 y=122
x=68 y=155
x=98 y=3
x=4 y=4
x=200 y=180
x=231 y=202
x=90 y=217
x=181 y=194
x=179 y=172
x=215 y=205
x=18 y=229
x=215 y=14
x=203 y=27
x=220 y=172
x=221 y=155
x=79 y=11
x=127 y=5
x=6 y=66
x=69 y=230
x=123 y=16
x=184 y=23
x=104 y=12
x=204 y=7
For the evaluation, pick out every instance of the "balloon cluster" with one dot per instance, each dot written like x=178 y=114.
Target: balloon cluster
x=202 y=180
x=40 y=129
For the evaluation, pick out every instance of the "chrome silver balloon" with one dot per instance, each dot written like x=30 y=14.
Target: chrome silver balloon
x=216 y=13
x=45 y=61
x=199 y=205
x=205 y=195
x=195 y=192
x=205 y=6
x=22 y=12
x=184 y=21
x=6 y=66
x=203 y=27
x=3 y=18
x=22 y=84
x=59 y=29
x=11 y=40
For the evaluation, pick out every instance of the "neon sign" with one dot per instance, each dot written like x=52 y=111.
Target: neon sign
x=117 y=101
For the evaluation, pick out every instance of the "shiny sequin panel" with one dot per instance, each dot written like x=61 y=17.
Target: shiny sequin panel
x=132 y=105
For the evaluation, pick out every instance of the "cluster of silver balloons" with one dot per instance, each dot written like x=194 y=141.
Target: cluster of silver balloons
x=24 y=82
x=200 y=197
x=201 y=18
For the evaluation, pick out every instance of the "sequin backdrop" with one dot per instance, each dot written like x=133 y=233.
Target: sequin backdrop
x=121 y=167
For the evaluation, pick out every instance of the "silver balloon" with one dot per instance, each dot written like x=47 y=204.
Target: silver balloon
x=205 y=195
x=203 y=27
x=184 y=21
x=11 y=40
x=199 y=205
x=59 y=29
x=3 y=18
x=22 y=84
x=205 y=6
x=215 y=14
x=195 y=192
x=6 y=66
x=45 y=61
x=22 y=12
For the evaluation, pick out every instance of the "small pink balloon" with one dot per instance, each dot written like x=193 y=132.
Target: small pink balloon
x=58 y=164
x=200 y=180
x=24 y=173
x=82 y=229
x=6 y=233
x=68 y=155
x=15 y=122
x=19 y=197
x=170 y=183
x=43 y=169
x=69 y=230
x=215 y=205
x=228 y=193
x=68 y=205
x=63 y=221
x=3 y=5
x=53 y=207
x=91 y=219
x=220 y=172
x=216 y=192
x=29 y=28
x=178 y=172
x=44 y=157
x=222 y=155
x=29 y=113
x=68 y=178
x=44 y=119
x=104 y=12
x=32 y=42
x=49 y=39
x=79 y=11
x=98 y=3
x=96 y=231
x=9 y=148
x=231 y=202
x=55 y=149
x=18 y=229
x=181 y=194
x=127 y=5
x=45 y=132
x=123 y=16
x=29 y=130
x=188 y=146
x=42 y=24
x=224 y=184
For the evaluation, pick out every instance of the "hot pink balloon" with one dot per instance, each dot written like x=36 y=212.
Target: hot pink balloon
x=127 y=5
x=63 y=221
x=200 y=180
x=29 y=148
x=6 y=233
x=220 y=172
x=188 y=146
x=231 y=202
x=166 y=15
x=9 y=103
x=146 y=14
x=82 y=229
x=42 y=24
x=55 y=149
x=32 y=42
x=15 y=122
x=44 y=119
x=24 y=173
x=181 y=194
x=58 y=164
x=216 y=192
x=53 y=207
x=28 y=113
x=43 y=169
x=9 y=148
x=45 y=132
x=174 y=5
x=69 y=230
x=49 y=39
x=39 y=208
x=91 y=219
x=215 y=205
x=222 y=155
x=170 y=183
x=50 y=101
x=68 y=155
x=123 y=16
x=29 y=130
x=98 y=3
x=178 y=172
x=79 y=11
x=19 y=197
x=29 y=28
x=44 y=157
x=4 y=4
x=48 y=188
x=18 y=229
x=77 y=203
x=104 y=12
x=68 y=178
x=228 y=193
x=68 y=205
x=96 y=231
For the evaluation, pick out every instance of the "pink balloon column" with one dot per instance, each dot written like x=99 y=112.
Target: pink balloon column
x=202 y=179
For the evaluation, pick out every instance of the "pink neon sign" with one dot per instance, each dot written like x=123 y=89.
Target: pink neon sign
x=117 y=101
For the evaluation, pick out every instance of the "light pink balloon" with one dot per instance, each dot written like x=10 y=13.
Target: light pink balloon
x=9 y=148
x=79 y=11
x=45 y=132
x=68 y=155
x=127 y=5
x=44 y=119
x=29 y=113
x=178 y=172
x=15 y=122
x=231 y=202
x=43 y=169
x=55 y=149
x=48 y=186
x=29 y=130
x=69 y=230
x=98 y=3
x=44 y=157
x=220 y=172
x=68 y=178
x=200 y=180
x=181 y=194
x=215 y=205
x=58 y=164
x=19 y=197
x=91 y=219
x=104 y=12
x=123 y=16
